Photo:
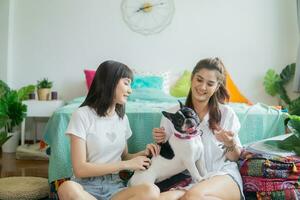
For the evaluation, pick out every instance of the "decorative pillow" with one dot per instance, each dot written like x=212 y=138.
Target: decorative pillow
x=147 y=82
x=150 y=94
x=164 y=75
x=235 y=94
x=182 y=85
x=89 y=76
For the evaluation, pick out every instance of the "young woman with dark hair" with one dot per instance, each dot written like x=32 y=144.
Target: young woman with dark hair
x=219 y=129
x=98 y=132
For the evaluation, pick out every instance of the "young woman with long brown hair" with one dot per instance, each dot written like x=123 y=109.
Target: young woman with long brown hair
x=219 y=129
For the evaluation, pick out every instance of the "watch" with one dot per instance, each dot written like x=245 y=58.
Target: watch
x=147 y=16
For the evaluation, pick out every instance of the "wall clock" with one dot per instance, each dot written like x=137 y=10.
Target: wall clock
x=147 y=16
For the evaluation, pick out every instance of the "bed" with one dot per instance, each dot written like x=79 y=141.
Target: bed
x=258 y=122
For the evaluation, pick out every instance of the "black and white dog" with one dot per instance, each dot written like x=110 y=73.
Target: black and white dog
x=183 y=150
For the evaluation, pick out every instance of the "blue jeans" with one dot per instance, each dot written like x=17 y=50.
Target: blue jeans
x=102 y=187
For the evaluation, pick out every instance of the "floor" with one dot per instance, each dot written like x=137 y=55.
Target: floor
x=9 y=166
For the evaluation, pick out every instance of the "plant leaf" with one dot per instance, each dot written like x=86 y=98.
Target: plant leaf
x=17 y=112
x=288 y=73
x=283 y=94
x=25 y=91
x=289 y=144
x=11 y=106
x=44 y=83
x=271 y=82
x=4 y=138
x=3 y=88
x=3 y=121
x=3 y=105
x=295 y=124
x=294 y=107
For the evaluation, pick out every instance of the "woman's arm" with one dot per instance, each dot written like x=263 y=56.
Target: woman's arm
x=151 y=149
x=232 y=150
x=228 y=135
x=128 y=156
x=82 y=168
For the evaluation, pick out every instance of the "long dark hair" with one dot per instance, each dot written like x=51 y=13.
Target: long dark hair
x=102 y=91
x=221 y=95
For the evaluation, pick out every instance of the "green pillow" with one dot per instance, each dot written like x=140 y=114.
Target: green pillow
x=182 y=85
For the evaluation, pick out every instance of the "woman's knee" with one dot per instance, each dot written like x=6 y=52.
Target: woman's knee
x=69 y=190
x=150 y=191
x=193 y=195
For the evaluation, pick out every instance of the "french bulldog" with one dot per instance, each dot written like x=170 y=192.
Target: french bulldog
x=183 y=150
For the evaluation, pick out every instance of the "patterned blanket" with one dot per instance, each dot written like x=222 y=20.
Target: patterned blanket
x=271 y=167
x=292 y=194
x=267 y=176
x=258 y=184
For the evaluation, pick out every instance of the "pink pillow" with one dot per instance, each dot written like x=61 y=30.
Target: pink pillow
x=89 y=76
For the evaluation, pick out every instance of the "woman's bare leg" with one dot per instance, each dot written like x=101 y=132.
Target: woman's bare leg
x=171 y=195
x=216 y=188
x=139 y=192
x=71 y=190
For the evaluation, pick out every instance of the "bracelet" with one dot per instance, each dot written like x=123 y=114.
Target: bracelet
x=230 y=148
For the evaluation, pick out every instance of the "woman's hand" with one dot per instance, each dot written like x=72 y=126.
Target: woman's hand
x=152 y=150
x=226 y=137
x=159 y=135
x=137 y=163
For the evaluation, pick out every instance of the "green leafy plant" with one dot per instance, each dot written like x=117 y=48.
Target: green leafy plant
x=44 y=83
x=12 y=110
x=291 y=143
x=3 y=88
x=275 y=86
x=3 y=134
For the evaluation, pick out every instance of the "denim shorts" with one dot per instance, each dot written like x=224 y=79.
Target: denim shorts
x=102 y=187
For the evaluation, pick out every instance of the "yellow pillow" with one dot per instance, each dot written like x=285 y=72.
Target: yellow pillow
x=234 y=92
x=182 y=85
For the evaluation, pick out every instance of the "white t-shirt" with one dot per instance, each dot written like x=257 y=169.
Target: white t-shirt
x=105 y=137
x=215 y=160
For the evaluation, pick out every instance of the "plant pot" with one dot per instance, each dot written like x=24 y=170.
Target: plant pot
x=10 y=146
x=44 y=94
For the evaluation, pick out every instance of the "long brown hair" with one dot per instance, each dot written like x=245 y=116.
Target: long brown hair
x=221 y=95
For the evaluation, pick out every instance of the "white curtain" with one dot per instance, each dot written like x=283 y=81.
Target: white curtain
x=296 y=84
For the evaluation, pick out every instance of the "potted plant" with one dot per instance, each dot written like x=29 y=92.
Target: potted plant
x=292 y=142
x=275 y=86
x=3 y=134
x=12 y=113
x=43 y=89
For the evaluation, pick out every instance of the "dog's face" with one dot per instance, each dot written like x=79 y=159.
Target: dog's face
x=185 y=120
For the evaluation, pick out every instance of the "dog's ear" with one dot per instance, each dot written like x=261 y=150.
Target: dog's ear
x=180 y=103
x=167 y=115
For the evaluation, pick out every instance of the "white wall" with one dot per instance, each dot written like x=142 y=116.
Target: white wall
x=59 y=38
x=4 y=22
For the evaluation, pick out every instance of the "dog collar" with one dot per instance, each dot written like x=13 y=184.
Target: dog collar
x=189 y=136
